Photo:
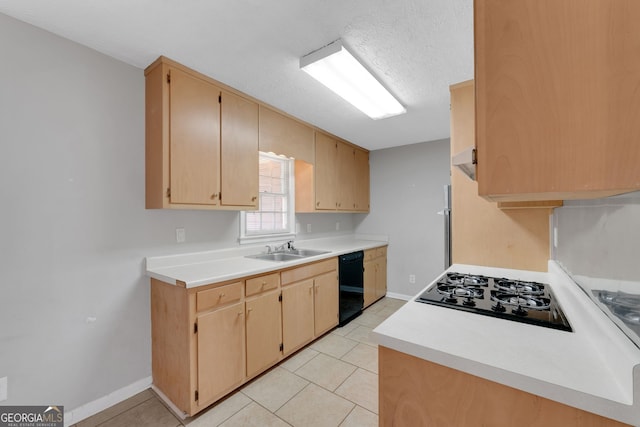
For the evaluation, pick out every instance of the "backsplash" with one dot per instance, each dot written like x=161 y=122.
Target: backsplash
x=600 y=238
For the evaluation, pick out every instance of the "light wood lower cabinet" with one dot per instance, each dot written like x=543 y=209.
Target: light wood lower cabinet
x=264 y=331
x=207 y=341
x=297 y=315
x=325 y=302
x=375 y=275
x=416 y=392
x=221 y=351
x=309 y=302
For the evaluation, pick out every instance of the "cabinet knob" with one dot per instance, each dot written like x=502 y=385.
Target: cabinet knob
x=264 y=284
x=317 y=203
x=253 y=199
x=249 y=310
x=214 y=196
x=221 y=295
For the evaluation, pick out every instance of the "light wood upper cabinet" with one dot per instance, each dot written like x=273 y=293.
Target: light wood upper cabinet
x=556 y=99
x=239 y=151
x=481 y=233
x=201 y=140
x=326 y=177
x=341 y=176
x=194 y=140
x=221 y=352
x=283 y=135
x=362 y=181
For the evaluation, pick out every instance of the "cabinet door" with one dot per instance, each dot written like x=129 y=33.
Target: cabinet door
x=381 y=277
x=239 y=151
x=194 y=115
x=361 y=187
x=264 y=331
x=346 y=177
x=326 y=302
x=297 y=315
x=325 y=172
x=369 y=282
x=556 y=118
x=220 y=352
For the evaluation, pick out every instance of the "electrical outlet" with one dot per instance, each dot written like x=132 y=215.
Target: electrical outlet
x=412 y=278
x=180 y=235
x=308 y=228
x=3 y=388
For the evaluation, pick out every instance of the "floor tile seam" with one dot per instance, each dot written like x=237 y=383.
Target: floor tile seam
x=218 y=402
x=355 y=403
x=153 y=396
x=269 y=410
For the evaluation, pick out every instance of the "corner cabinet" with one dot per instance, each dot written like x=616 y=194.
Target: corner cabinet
x=201 y=142
x=556 y=99
x=209 y=340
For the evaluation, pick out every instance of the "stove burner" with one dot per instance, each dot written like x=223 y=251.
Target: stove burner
x=620 y=299
x=519 y=287
x=521 y=301
x=466 y=280
x=452 y=291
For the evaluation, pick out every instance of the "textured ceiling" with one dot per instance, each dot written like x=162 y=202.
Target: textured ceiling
x=416 y=48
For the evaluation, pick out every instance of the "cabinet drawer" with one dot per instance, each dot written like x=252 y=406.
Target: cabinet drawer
x=262 y=283
x=309 y=270
x=218 y=296
x=381 y=252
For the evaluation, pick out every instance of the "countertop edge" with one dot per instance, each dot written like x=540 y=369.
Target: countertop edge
x=171 y=274
x=626 y=410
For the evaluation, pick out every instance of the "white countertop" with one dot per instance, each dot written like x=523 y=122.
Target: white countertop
x=203 y=268
x=594 y=368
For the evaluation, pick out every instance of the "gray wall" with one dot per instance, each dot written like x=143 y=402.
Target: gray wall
x=600 y=238
x=72 y=191
x=406 y=193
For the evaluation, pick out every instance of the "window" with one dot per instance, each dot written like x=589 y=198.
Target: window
x=275 y=217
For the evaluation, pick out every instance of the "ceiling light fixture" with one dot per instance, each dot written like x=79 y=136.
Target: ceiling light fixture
x=337 y=69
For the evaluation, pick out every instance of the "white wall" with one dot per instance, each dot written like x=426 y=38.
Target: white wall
x=76 y=231
x=407 y=191
x=600 y=238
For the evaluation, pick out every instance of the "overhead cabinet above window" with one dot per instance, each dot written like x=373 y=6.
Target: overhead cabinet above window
x=557 y=98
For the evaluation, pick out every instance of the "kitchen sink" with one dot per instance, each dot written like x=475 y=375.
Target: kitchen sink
x=288 y=255
x=306 y=252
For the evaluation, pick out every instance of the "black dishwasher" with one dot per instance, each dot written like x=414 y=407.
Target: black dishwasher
x=351 y=283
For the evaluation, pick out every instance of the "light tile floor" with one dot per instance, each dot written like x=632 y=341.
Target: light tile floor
x=332 y=382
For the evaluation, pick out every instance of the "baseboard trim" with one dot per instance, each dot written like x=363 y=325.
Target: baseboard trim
x=399 y=296
x=85 y=411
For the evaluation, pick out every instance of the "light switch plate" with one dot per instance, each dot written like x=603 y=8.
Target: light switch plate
x=180 y=235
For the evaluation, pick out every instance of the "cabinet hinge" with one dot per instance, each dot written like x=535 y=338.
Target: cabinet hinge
x=196 y=395
x=281 y=347
x=280 y=297
x=168 y=78
x=195 y=329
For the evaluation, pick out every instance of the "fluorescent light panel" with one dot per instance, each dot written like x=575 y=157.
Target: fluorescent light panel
x=337 y=69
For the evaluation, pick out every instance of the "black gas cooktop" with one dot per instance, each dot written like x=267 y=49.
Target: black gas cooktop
x=517 y=300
